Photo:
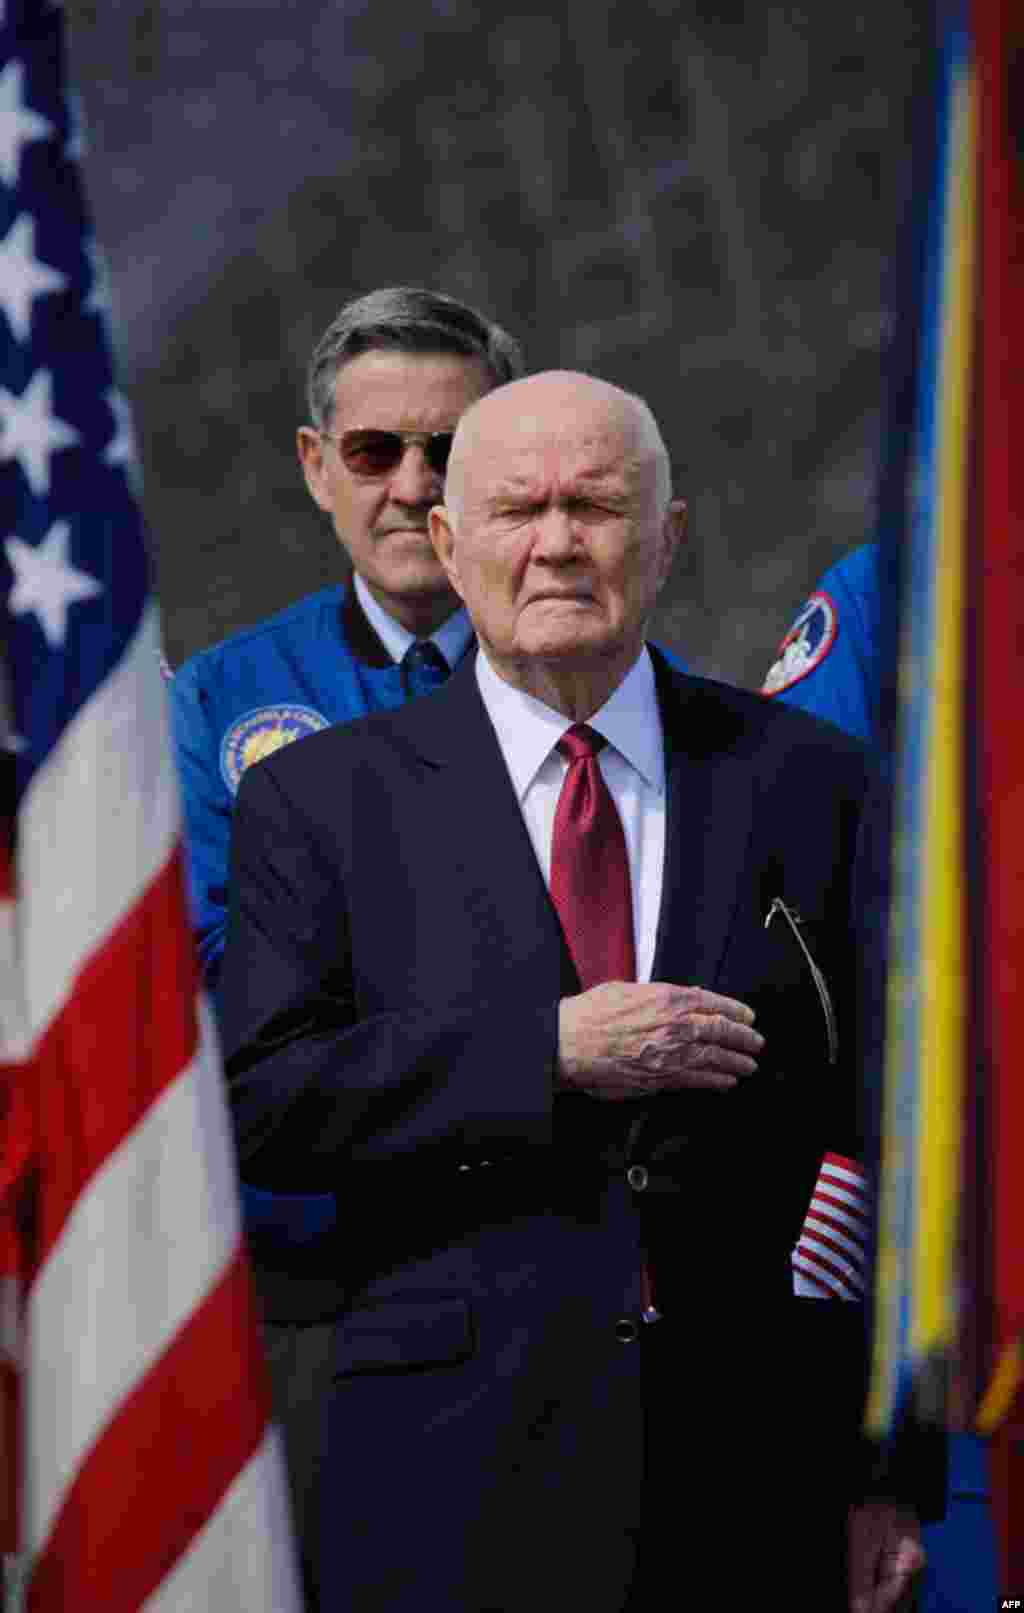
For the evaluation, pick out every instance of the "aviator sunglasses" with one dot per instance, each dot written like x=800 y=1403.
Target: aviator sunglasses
x=376 y=453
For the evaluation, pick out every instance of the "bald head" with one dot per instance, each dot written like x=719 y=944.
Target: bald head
x=558 y=530
x=550 y=407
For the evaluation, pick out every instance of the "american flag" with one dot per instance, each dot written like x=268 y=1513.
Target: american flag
x=830 y=1257
x=147 y=1472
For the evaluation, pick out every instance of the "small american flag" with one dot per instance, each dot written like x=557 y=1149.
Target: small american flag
x=147 y=1472
x=831 y=1254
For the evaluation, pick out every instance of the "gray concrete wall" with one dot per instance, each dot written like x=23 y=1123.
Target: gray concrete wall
x=695 y=200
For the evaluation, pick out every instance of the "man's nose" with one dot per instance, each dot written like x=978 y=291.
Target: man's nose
x=555 y=537
x=413 y=481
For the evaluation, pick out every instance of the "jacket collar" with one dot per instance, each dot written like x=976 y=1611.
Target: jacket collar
x=360 y=637
x=365 y=642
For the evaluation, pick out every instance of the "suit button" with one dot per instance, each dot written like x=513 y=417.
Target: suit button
x=637 y=1177
x=626 y=1330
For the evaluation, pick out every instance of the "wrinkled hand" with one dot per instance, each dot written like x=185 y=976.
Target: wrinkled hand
x=625 y=1040
x=885 y=1555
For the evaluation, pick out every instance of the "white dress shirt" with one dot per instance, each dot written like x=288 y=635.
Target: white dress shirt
x=451 y=637
x=633 y=765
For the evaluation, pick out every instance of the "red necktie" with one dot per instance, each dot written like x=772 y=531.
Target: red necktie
x=591 y=890
x=589 y=867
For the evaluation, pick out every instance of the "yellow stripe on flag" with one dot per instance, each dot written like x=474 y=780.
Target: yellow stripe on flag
x=943 y=981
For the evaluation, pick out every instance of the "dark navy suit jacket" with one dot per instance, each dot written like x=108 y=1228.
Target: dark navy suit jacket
x=390 y=997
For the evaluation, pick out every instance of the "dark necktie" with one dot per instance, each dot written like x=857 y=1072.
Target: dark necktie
x=590 y=884
x=423 y=667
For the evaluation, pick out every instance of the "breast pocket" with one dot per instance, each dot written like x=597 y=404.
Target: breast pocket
x=778 y=964
x=404 y=1335
x=792 y=927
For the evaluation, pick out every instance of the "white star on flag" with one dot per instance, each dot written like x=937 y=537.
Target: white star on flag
x=120 y=450
x=31 y=432
x=46 y=582
x=23 y=277
x=19 y=125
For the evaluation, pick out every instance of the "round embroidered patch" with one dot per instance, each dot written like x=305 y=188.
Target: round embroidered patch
x=806 y=644
x=260 y=733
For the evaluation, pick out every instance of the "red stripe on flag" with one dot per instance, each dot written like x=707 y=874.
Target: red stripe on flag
x=15 y=1152
x=828 y=1272
x=999 y=531
x=820 y=1234
x=853 y=1199
x=844 y=1241
x=857 y=1211
x=842 y=1163
x=180 y=1439
x=126 y=1032
x=817 y=1285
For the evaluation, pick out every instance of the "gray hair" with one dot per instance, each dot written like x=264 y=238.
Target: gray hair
x=408 y=320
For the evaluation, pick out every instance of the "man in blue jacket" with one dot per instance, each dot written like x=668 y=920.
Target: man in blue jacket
x=386 y=385
x=830 y=664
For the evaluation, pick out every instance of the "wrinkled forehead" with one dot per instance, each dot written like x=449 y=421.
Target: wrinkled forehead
x=531 y=451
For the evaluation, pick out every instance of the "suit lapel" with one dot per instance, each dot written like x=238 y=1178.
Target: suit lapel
x=455 y=737
x=708 y=821
x=709 y=818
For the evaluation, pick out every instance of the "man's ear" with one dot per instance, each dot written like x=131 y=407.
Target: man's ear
x=310 y=446
x=673 y=532
x=442 y=535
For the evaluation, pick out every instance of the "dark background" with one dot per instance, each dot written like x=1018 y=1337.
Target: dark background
x=694 y=200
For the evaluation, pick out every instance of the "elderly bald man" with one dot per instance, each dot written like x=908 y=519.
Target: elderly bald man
x=523 y=974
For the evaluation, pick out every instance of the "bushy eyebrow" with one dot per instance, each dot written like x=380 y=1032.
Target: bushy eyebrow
x=513 y=487
x=607 y=483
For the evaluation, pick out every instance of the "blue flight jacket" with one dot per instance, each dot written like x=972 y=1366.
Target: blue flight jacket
x=829 y=661
x=315 y=663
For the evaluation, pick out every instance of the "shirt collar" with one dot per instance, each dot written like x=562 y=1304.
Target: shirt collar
x=528 y=730
x=451 y=637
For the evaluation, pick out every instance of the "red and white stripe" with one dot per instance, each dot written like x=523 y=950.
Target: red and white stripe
x=831 y=1255
x=150 y=1474
x=11 y=1160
